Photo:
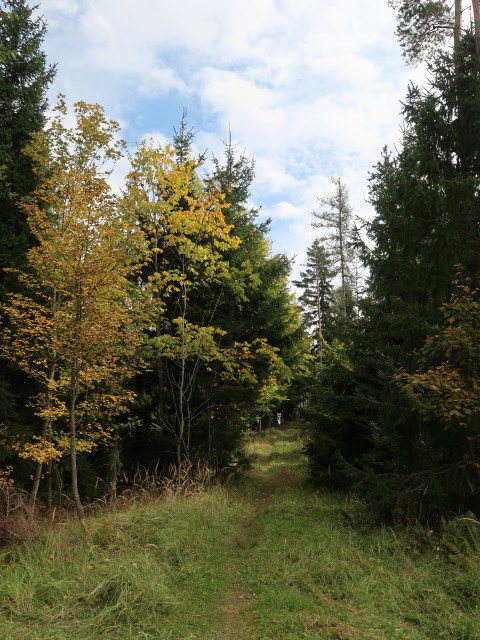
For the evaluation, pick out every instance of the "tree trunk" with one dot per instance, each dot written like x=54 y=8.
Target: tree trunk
x=36 y=479
x=476 y=18
x=161 y=389
x=49 y=485
x=73 y=451
x=181 y=393
x=319 y=314
x=457 y=29
x=45 y=435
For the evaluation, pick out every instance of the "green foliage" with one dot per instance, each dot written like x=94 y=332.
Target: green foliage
x=24 y=80
x=423 y=26
x=316 y=297
x=335 y=216
x=426 y=200
x=409 y=441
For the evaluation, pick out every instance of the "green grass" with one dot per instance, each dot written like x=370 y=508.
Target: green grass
x=150 y=572
x=272 y=559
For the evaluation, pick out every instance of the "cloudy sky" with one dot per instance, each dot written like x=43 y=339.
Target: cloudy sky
x=310 y=88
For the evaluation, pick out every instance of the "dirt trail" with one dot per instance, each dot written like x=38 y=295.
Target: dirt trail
x=234 y=621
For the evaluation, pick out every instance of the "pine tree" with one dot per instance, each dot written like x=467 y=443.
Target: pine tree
x=425 y=25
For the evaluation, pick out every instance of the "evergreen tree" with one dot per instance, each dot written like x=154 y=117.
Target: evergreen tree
x=335 y=216
x=426 y=201
x=427 y=205
x=363 y=428
x=316 y=297
x=24 y=80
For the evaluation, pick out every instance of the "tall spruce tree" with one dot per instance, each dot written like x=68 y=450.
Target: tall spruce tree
x=427 y=222
x=24 y=80
x=316 y=286
x=335 y=216
x=426 y=200
x=362 y=431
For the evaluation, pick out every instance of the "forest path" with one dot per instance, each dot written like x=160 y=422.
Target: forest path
x=279 y=466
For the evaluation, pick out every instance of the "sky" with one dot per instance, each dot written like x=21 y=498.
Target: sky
x=309 y=88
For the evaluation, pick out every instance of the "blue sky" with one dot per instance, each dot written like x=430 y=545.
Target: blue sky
x=310 y=88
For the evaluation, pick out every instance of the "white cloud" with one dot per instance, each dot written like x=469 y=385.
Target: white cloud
x=310 y=88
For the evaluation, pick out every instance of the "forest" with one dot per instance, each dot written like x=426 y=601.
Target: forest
x=145 y=332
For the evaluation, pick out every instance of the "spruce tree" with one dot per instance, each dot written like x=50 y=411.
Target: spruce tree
x=316 y=287
x=426 y=200
x=427 y=212
x=24 y=80
x=335 y=216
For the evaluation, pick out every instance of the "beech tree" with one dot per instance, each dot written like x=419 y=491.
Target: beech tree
x=74 y=328
x=445 y=387
x=187 y=236
x=443 y=394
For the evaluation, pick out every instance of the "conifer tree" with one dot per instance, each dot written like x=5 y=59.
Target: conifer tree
x=424 y=25
x=426 y=199
x=316 y=283
x=24 y=80
x=427 y=204
x=335 y=216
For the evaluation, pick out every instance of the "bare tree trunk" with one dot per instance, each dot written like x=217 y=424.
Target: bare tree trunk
x=49 y=485
x=319 y=313
x=36 y=478
x=73 y=451
x=476 y=18
x=161 y=388
x=457 y=29
x=45 y=435
x=181 y=392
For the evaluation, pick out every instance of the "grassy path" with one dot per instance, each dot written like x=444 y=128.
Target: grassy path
x=302 y=565
x=234 y=612
x=270 y=560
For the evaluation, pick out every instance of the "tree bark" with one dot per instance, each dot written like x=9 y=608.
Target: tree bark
x=73 y=452
x=457 y=29
x=476 y=18
x=319 y=313
x=45 y=435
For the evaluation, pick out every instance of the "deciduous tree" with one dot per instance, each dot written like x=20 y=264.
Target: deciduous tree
x=74 y=328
